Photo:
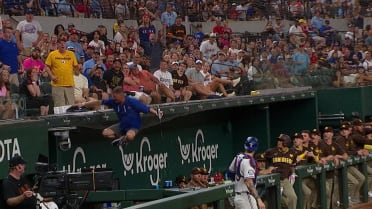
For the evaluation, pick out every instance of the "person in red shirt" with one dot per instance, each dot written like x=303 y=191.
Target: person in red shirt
x=148 y=81
x=218 y=28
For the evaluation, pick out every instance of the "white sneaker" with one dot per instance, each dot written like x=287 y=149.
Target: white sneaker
x=235 y=82
x=119 y=141
x=369 y=194
x=231 y=94
x=219 y=94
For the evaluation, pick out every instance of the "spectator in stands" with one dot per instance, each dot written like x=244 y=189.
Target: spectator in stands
x=8 y=23
x=43 y=45
x=121 y=34
x=176 y=32
x=279 y=28
x=28 y=33
x=328 y=32
x=180 y=83
x=96 y=8
x=296 y=34
x=132 y=84
x=16 y=7
x=233 y=13
x=148 y=81
x=166 y=81
x=114 y=77
x=91 y=64
x=199 y=34
x=74 y=42
x=9 y=56
x=218 y=28
x=98 y=85
x=168 y=17
x=209 y=47
x=242 y=9
x=219 y=68
x=121 y=9
x=61 y=63
x=82 y=9
x=48 y=7
x=34 y=61
x=6 y=107
x=81 y=87
x=317 y=21
x=153 y=50
x=31 y=89
x=301 y=60
x=97 y=43
x=58 y=29
x=65 y=8
x=144 y=30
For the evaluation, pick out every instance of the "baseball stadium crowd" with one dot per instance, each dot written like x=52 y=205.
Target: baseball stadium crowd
x=156 y=64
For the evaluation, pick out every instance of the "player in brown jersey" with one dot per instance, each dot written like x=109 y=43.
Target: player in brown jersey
x=331 y=152
x=354 y=176
x=305 y=156
x=283 y=158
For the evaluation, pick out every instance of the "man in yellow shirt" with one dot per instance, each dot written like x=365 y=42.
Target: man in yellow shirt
x=61 y=63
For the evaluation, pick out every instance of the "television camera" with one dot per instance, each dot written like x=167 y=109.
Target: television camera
x=69 y=190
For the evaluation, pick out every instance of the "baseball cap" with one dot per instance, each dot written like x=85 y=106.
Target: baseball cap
x=283 y=137
x=72 y=32
x=16 y=160
x=204 y=171
x=221 y=53
x=198 y=62
x=315 y=131
x=177 y=63
x=146 y=15
x=328 y=129
x=195 y=171
x=29 y=11
x=297 y=136
x=130 y=40
x=302 y=21
x=132 y=66
x=90 y=47
x=33 y=49
x=357 y=122
x=344 y=127
x=177 y=42
x=117 y=60
x=260 y=157
x=71 y=48
x=70 y=25
x=212 y=35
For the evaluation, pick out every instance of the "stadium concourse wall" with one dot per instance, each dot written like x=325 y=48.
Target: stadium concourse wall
x=89 y=24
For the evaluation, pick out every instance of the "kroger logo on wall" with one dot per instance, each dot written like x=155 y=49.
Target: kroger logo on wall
x=146 y=161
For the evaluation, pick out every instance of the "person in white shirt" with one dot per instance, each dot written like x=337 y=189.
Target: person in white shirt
x=81 y=89
x=28 y=33
x=242 y=10
x=166 y=81
x=209 y=47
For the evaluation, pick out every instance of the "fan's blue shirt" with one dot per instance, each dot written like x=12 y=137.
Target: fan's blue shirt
x=128 y=113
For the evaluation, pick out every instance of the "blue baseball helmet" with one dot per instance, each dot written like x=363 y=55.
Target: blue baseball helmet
x=251 y=144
